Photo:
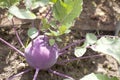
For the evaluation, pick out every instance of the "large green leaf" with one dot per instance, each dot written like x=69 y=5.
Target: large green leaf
x=21 y=13
x=66 y=11
x=93 y=76
x=108 y=45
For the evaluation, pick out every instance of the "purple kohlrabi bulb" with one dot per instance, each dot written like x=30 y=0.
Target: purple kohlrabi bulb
x=39 y=54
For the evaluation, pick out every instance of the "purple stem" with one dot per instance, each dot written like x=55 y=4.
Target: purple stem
x=47 y=13
x=18 y=74
x=72 y=44
x=36 y=73
x=60 y=74
x=17 y=35
x=12 y=47
x=70 y=60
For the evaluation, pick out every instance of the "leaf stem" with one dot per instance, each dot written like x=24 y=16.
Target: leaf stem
x=60 y=74
x=78 y=58
x=12 y=47
x=70 y=45
x=17 y=35
x=18 y=74
x=36 y=73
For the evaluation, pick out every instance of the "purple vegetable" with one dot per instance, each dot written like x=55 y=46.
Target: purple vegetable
x=39 y=54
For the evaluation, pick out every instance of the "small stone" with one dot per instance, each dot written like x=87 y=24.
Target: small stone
x=21 y=65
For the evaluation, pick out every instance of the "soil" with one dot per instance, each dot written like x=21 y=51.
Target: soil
x=98 y=16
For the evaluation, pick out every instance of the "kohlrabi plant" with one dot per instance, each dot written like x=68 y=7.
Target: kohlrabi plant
x=43 y=52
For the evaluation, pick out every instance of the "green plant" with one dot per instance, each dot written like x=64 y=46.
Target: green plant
x=64 y=13
x=8 y=3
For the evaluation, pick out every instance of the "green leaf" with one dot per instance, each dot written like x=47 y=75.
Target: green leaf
x=51 y=42
x=86 y=44
x=114 y=78
x=102 y=77
x=79 y=51
x=109 y=46
x=32 y=32
x=54 y=1
x=62 y=29
x=66 y=11
x=93 y=76
x=53 y=33
x=8 y=3
x=58 y=39
x=53 y=24
x=21 y=13
x=67 y=31
x=91 y=38
x=45 y=25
